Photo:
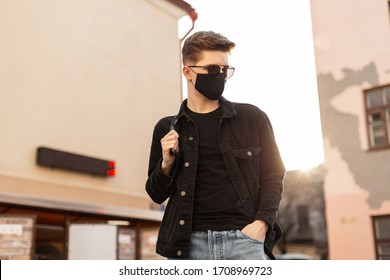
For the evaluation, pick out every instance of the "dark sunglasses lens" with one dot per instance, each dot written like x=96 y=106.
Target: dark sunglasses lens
x=213 y=69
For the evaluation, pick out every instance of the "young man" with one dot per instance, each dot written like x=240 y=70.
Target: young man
x=218 y=164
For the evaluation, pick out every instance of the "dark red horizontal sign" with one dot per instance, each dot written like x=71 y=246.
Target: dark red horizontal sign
x=74 y=162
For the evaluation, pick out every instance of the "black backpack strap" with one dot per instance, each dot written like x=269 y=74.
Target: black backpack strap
x=175 y=126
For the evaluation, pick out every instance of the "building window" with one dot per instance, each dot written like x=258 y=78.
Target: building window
x=303 y=218
x=388 y=3
x=378 y=116
x=382 y=237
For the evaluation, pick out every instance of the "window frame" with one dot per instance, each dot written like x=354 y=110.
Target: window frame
x=388 y=4
x=382 y=109
x=378 y=241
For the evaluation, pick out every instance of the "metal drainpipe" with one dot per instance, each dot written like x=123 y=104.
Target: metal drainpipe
x=193 y=15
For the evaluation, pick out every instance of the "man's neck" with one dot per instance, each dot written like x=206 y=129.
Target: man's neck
x=199 y=104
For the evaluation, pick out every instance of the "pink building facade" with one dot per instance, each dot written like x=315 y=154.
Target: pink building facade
x=352 y=47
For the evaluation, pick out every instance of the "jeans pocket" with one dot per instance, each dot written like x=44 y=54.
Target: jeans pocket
x=247 y=237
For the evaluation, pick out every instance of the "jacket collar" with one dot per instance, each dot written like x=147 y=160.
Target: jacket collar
x=228 y=110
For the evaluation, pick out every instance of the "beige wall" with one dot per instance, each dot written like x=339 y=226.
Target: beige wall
x=352 y=46
x=89 y=77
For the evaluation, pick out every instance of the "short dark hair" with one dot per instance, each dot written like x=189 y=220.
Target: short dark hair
x=204 y=41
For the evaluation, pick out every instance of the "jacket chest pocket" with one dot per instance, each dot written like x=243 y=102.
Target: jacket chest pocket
x=247 y=153
x=248 y=159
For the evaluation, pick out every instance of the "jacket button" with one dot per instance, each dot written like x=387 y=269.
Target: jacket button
x=181 y=222
x=178 y=253
x=186 y=164
x=249 y=153
x=183 y=193
x=190 y=138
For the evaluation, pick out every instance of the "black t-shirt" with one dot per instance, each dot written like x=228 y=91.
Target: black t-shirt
x=216 y=203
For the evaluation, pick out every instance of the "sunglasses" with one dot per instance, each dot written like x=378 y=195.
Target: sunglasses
x=227 y=71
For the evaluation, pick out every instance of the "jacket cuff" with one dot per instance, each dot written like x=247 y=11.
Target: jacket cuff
x=268 y=217
x=161 y=176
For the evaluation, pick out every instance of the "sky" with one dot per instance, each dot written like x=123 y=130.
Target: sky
x=275 y=68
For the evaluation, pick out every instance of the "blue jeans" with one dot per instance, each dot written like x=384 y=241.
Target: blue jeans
x=225 y=245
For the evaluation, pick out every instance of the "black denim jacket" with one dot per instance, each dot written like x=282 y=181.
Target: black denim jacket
x=253 y=162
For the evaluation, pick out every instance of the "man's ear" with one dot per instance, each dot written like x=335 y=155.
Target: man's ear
x=187 y=72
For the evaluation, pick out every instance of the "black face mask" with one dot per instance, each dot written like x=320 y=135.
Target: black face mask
x=211 y=86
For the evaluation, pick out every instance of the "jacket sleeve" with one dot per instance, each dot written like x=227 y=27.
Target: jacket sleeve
x=157 y=184
x=271 y=175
